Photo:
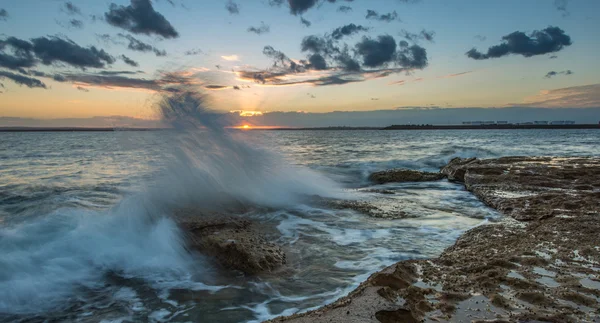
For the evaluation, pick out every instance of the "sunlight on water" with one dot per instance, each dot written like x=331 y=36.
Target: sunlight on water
x=86 y=229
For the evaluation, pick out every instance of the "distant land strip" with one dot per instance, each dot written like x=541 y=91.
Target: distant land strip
x=392 y=127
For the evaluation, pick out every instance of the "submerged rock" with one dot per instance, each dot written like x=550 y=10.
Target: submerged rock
x=233 y=242
x=540 y=263
x=404 y=175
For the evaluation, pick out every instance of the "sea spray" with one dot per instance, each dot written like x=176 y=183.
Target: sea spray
x=63 y=258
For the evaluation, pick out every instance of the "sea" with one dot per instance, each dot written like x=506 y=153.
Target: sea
x=87 y=235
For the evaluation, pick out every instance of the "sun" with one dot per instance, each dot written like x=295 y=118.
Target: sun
x=245 y=126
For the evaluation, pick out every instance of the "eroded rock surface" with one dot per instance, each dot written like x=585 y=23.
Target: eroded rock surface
x=540 y=263
x=232 y=241
x=404 y=175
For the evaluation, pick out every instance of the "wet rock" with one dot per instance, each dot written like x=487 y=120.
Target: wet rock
x=404 y=175
x=377 y=207
x=232 y=241
x=455 y=170
x=491 y=273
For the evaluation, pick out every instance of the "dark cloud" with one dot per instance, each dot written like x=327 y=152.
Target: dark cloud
x=129 y=61
x=215 y=87
x=344 y=9
x=347 y=30
x=262 y=29
x=413 y=57
x=305 y=22
x=377 y=52
x=118 y=72
x=21 y=56
x=553 y=57
x=75 y=23
x=139 y=46
x=317 y=62
x=235 y=87
x=110 y=81
x=195 y=51
x=59 y=78
x=22 y=80
x=232 y=7
x=414 y=37
x=561 y=6
x=71 y=9
x=300 y=6
x=553 y=73
x=388 y=17
x=82 y=89
x=276 y=3
x=539 y=42
x=51 y=50
x=282 y=62
x=347 y=63
x=3 y=14
x=140 y=18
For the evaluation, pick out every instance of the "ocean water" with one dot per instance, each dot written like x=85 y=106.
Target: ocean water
x=86 y=232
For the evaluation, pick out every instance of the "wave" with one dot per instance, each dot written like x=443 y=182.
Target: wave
x=57 y=258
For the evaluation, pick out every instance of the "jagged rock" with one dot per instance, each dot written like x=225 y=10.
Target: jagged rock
x=455 y=170
x=404 y=175
x=232 y=241
x=540 y=263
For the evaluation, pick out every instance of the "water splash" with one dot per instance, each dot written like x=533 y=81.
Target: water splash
x=49 y=262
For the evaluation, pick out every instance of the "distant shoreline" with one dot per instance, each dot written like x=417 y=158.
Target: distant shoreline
x=393 y=127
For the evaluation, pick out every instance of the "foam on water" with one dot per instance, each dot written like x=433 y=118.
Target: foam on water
x=45 y=262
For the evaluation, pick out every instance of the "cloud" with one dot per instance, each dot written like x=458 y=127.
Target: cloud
x=344 y=9
x=22 y=80
x=76 y=23
x=129 y=61
x=230 y=58
x=561 y=6
x=82 y=89
x=347 y=30
x=300 y=6
x=401 y=82
x=305 y=22
x=21 y=56
x=140 y=18
x=317 y=62
x=388 y=17
x=480 y=37
x=235 y=87
x=539 y=42
x=413 y=37
x=53 y=49
x=139 y=46
x=118 y=72
x=195 y=51
x=553 y=57
x=215 y=87
x=232 y=7
x=71 y=9
x=4 y=14
x=454 y=75
x=553 y=73
x=377 y=52
x=113 y=81
x=586 y=96
x=262 y=29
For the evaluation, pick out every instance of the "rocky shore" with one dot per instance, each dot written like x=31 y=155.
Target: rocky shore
x=540 y=263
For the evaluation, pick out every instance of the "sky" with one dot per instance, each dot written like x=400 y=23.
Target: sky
x=301 y=61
